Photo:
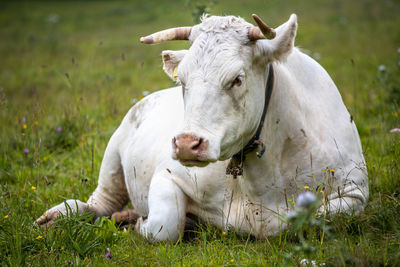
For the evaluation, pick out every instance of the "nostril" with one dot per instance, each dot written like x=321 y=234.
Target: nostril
x=198 y=144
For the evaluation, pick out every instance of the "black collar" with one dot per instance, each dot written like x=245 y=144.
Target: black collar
x=235 y=166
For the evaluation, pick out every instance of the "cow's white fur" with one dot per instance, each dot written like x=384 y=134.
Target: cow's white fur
x=307 y=131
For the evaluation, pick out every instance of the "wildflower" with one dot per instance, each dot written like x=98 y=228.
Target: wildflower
x=36 y=123
x=108 y=255
x=59 y=130
x=395 y=130
x=145 y=93
x=39 y=237
x=317 y=56
x=45 y=215
x=321 y=191
x=306 y=187
x=69 y=261
x=232 y=260
x=85 y=198
x=33 y=187
x=25 y=126
x=134 y=101
x=382 y=68
x=332 y=171
x=308 y=262
x=291 y=215
x=53 y=18
x=305 y=199
x=6 y=216
x=26 y=150
x=395 y=114
x=223 y=233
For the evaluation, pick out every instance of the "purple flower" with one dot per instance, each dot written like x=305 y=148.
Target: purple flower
x=108 y=255
x=59 y=130
x=69 y=261
x=395 y=130
x=305 y=199
x=26 y=150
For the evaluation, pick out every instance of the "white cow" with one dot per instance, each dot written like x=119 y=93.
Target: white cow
x=216 y=110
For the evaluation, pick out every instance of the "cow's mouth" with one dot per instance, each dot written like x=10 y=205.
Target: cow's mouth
x=194 y=163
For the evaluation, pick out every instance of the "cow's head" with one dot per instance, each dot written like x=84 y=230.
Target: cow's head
x=223 y=77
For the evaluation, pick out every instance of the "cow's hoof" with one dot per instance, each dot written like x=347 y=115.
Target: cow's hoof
x=125 y=217
x=138 y=224
x=47 y=219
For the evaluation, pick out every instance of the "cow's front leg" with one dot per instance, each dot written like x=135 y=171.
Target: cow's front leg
x=71 y=205
x=110 y=195
x=167 y=210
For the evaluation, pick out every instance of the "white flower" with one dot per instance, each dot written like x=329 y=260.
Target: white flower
x=305 y=199
x=134 y=100
x=291 y=215
x=382 y=68
x=53 y=18
x=145 y=93
x=317 y=56
x=308 y=262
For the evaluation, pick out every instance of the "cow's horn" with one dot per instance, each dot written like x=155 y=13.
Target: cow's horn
x=180 y=33
x=262 y=31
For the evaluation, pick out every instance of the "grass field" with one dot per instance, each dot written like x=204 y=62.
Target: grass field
x=70 y=70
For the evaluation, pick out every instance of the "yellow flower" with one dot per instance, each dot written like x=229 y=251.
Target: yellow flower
x=85 y=198
x=332 y=171
x=45 y=215
x=39 y=237
x=36 y=123
x=306 y=187
x=232 y=260
x=6 y=217
x=396 y=114
x=224 y=233
x=25 y=126
x=33 y=187
x=322 y=191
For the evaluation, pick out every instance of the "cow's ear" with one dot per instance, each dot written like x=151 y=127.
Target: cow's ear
x=278 y=48
x=171 y=60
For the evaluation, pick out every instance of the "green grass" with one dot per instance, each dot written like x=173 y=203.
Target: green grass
x=78 y=65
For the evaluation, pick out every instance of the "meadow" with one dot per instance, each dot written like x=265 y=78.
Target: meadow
x=70 y=70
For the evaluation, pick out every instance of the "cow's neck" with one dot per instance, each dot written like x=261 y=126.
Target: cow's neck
x=236 y=164
x=281 y=132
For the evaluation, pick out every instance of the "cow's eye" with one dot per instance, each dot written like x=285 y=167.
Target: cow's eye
x=238 y=81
